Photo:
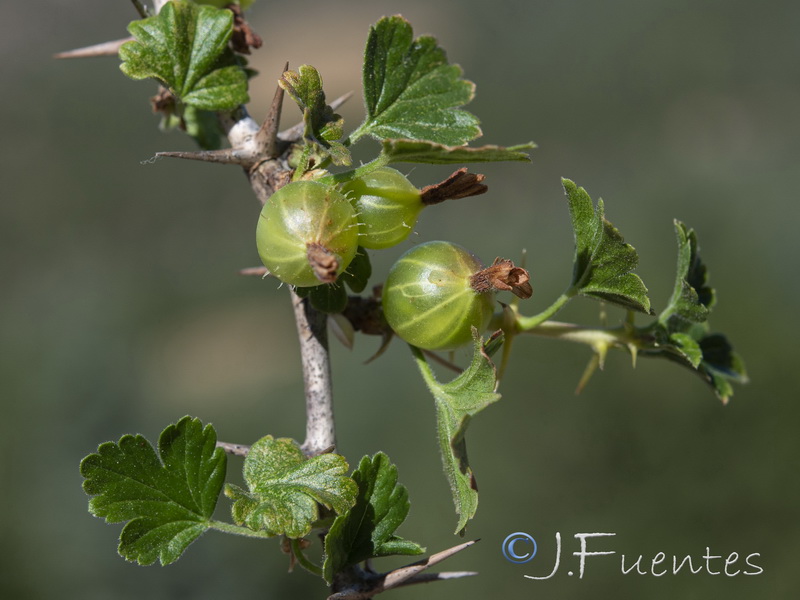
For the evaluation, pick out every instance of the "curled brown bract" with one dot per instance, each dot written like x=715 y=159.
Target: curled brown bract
x=503 y=275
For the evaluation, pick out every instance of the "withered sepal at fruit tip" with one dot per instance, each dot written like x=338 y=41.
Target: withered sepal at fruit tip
x=461 y=184
x=503 y=275
x=323 y=262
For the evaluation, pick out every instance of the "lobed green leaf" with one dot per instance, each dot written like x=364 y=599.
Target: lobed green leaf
x=185 y=48
x=411 y=91
x=456 y=403
x=603 y=261
x=285 y=488
x=167 y=498
x=367 y=530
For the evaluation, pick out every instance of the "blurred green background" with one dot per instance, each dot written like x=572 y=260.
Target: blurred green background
x=122 y=310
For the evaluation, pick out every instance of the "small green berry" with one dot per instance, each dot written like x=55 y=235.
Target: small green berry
x=387 y=205
x=428 y=299
x=307 y=234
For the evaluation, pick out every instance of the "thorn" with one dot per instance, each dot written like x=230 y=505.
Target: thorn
x=587 y=373
x=227 y=156
x=267 y=136
x=102 y=49
x=634 y=354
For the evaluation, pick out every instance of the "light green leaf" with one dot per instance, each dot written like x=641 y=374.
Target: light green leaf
x=603 y=261
x=456 y=403
x=412 y=151
x=410 y=90
x=185 y=48
x=322 y=126
x=367 y=530
x=286 y=488
x=167 y=499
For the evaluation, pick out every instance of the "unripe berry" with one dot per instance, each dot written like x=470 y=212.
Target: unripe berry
x=428 y=298
x=387 y=205
x=307 y=234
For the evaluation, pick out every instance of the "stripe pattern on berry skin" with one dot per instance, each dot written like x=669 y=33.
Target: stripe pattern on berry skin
x=427 y=298
x=306 y=215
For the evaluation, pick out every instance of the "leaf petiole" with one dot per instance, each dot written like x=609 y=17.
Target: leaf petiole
x=297 y=552
x=238 y=530
x=528 y=323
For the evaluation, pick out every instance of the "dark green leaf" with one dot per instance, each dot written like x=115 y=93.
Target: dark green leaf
x=367 y=530
x=322 y=126
x=711 y=356
x=168 y=498
x=223 y=3
x=328 y=298
x=691 y=299
x=358 y=272
x=603 y=261
x=681 y=333
x=456 y=403
x=412 y=151
x=286 y=488
x=411 y=91
x=185 y=48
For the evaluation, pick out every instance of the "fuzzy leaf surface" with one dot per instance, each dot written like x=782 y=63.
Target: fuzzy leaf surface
x=411 y=91
x=367 y=530
x=457 y=402
x=185 y=48
x=167 y=497
x=603 y=262
x=285 y=488
x=414 y=151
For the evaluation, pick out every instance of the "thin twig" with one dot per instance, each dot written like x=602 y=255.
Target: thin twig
x=370 y=583
x=235 y=449
x=312 y=333
x=102 y=49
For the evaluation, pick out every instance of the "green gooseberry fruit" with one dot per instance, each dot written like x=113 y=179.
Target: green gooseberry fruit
x=307 y=234
x=387 y=205
x=428 y=298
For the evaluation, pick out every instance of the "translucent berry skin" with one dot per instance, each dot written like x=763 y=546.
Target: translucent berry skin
x=300 y=214
x=427 y=298
x=387 y=205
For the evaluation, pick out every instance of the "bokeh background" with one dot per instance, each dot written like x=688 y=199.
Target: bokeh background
x=122 y=310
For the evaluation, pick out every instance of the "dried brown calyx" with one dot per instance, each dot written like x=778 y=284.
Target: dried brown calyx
x=460 y=184
x=323 y=262
x=243 y=37
x=503 y=275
